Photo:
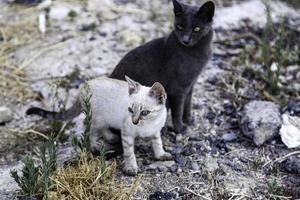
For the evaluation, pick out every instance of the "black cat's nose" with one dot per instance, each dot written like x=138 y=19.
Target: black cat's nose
x=186 y=42
x=186 y=39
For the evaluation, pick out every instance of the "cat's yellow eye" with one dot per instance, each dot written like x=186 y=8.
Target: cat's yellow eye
x=196 y=29
x=130 y=110
x=179 y=27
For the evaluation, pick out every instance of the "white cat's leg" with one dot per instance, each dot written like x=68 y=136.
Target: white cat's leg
x=159 y=152
x=94 y=137
x=111 y=142
x=130 y=165
x=110 y=137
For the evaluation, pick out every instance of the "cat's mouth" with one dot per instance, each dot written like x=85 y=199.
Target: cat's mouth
x=187 y=43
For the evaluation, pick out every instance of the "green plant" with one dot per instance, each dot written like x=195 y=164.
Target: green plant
x=29 y=180
x=83 y=142
x=72 y=14
x=256 y=164
x=48 y=157
x=35 y=178
x=274 y=187
x=268 y=59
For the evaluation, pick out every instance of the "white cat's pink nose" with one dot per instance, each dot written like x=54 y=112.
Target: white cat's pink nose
x=135 y=121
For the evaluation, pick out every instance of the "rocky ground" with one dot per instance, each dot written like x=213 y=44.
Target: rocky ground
x=86 y=39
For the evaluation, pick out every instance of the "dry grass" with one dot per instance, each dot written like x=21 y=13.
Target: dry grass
x=15 y=31
x=91 y=179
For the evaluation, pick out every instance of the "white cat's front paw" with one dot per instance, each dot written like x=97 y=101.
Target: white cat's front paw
x=130 y=170
x=164 y=156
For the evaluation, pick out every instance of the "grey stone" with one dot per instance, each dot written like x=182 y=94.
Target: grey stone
x=161 y=164
x=6 y=114
x=292 y=165
x=195 y=166
x=260 y=120
x=211 y=164
x=180 y=160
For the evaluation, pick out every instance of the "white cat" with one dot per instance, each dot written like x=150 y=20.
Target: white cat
x=136 y=110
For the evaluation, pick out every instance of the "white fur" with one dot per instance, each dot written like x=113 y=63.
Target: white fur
x=110 y=102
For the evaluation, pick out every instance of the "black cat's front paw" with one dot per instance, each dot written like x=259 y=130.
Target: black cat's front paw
x=181 y=129
x=189 y=120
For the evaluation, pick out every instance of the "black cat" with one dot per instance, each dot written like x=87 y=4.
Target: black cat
x=175 y=60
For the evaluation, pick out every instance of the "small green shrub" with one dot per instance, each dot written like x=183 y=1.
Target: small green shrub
x=35 y=178
x=83 y=142
x=72 y=14
x=29 y=180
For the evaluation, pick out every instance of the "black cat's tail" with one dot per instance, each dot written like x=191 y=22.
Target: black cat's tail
x=72 y=112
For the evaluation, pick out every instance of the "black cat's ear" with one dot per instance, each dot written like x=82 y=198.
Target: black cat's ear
x=133 y=87
x=207 y=11
x=158 y=92
x=177 y=7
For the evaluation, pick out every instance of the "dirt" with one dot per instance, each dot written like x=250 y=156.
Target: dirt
x=90 y=44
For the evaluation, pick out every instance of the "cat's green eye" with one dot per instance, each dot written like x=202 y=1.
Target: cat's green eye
x=145 y=112
x=196 y=29
x=130 y=110
x=179 y=27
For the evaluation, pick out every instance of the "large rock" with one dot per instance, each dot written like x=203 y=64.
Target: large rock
x=6 y=115
x=261 y=121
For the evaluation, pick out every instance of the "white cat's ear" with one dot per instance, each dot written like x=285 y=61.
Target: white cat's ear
x=158 y=92
x=133 y=86
x=177 y=7
x=207 y=10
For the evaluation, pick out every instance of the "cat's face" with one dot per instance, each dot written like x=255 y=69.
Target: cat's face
x=192 y=23
x=145 y=102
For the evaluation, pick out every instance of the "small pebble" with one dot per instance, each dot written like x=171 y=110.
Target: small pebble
x=180 y=160
x=229 y=109
x=292 y=165
x=195 y=166
x=163 y=196
x=179 y=137
x=229 y=137
x=210 y=115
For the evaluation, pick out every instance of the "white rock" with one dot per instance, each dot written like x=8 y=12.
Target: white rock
x=274 y=67
x=290 y=131
x=6 y=115
x=211 y=164
x=61 y=11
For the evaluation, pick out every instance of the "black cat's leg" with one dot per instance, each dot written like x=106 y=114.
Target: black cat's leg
x=187 y=113
x=164 y=129
x=177 y=105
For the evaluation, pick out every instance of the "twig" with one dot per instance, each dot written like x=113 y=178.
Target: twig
x=281 y=197
x=270 y=97
x=35 y=132
x=233 y=151
x=286 y=156
x=241 y=196
x=174 y=188
x=194 y=193
x=281 y=159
